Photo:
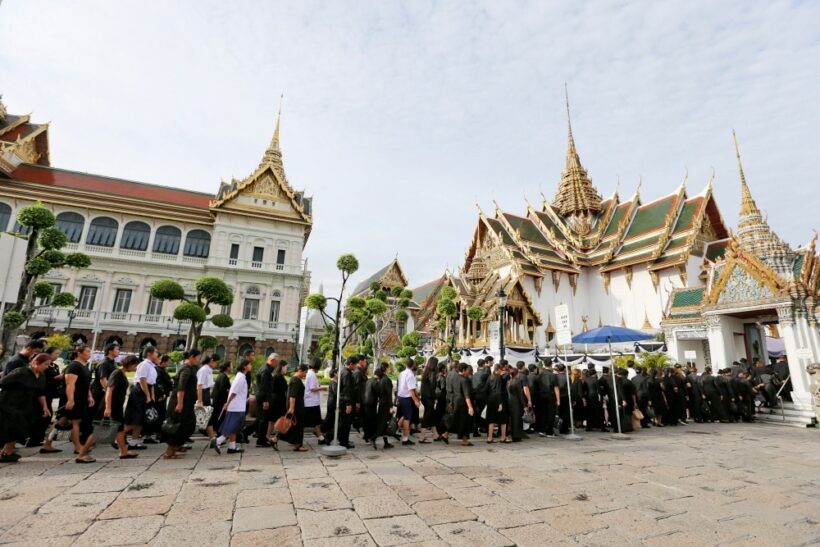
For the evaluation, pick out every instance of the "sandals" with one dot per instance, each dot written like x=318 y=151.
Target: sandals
x=300 y=449
x=128 y=456
x=172 y=456
x=49 y=450
x=507 y=440
x=491 y=441
x=424 y=441
x=468 y=443
x=274 y=444
x=85 y=459
x=446 y=440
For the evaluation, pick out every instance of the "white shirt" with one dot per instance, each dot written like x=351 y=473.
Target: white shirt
x=630 y=373
x=407 y=381
x=240 y=387
x=146 y=370
x=205 y=377
x=312 y=398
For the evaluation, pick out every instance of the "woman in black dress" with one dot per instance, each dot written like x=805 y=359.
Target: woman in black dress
x=428 y=398
x=114 y=402
x=80 y=404
x=219 y=396
x=517 y=404
x=53 y=387
x=578 y=392
x=441 y=402
x=657 y=396
x=279 y=397
x=19 y=408
x=497 y=412
x=670 y=389
x=296 y=409
x=181 y=407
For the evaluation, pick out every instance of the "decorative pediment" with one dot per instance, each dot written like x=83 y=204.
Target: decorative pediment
x=742 y=277
x=91 y=277
x=125 y=281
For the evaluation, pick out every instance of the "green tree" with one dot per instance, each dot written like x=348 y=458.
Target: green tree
x=44 y=253
x=210 y=291
x=447 y=311
x=387 y=318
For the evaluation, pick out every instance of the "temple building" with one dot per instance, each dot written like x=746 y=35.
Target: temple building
x=669 y=266
x=251 y=233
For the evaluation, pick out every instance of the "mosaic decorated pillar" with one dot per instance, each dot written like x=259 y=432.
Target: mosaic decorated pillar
x=800 y=352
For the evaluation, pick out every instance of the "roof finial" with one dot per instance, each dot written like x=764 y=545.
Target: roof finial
x=273 y=154
x=747 y=204
x=569 y=119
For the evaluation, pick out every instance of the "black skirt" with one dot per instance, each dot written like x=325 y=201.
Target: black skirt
x=135 y=408
x=495 y=416
x=312 y=416
x=429 y=420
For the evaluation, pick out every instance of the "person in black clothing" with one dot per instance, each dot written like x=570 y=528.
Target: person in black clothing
x=347 y=400
x=641 y=384
x=534 y=385
x=712 y=394
x=727 y=398
x=264 y=400
x=549 y=394
x=428 y=399
x=181 y=406
x=279 y=397
x=219 y=396
x=80 y=404
x=563 y=399
x=517 y=403
x=451 y=385
x=695 y=394
x=116 y=389
x=54 y=387
x=479 y=381
x=23 y=358
x=385 y=405
x=629 y=396
x=579 y=397
x=359 y=383
x=101 y=373
x=594 y=409
x=296 y=409
x=162 y=390
x=21 y=393
x=766 y=382
x=497 y=413
x=441 y=402
x=670 y=387
x=462 y=404
x=680 y=382
x=745 y=396
x=607 y=393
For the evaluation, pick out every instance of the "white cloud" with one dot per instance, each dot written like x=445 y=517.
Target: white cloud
x=400 y=116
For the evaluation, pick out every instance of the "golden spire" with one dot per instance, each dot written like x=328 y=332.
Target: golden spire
x=576 y=195
x=747 y=204
x=273 y=155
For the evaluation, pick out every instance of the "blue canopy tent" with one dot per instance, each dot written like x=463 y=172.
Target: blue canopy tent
x=606 y=335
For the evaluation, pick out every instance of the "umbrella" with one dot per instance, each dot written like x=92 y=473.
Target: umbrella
x=606 y=335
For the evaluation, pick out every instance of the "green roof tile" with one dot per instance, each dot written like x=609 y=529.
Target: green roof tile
x=651 y=217
x=688 y=297
x=798 y=265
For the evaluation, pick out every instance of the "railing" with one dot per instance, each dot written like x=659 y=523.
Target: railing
x=256 y=265
x=780 y=399
x=59 y=318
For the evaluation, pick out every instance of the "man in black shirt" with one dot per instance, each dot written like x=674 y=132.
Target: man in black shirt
x=479 y=381
x=101 y=374
x=347 y=398
x=264 y=396
x=23 y=358
x=549 y=394
x=359 y=383
x=563 y=399
x=534 y=386
x=80 y=404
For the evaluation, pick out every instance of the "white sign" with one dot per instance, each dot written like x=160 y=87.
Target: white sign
x=563 y=332
x=804 y=353
x=690 y=354
x=495 y=333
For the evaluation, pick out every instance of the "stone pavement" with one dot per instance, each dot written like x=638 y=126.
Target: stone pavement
x=695 y=485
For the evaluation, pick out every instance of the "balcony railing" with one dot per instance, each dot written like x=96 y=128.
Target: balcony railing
x=59 y=318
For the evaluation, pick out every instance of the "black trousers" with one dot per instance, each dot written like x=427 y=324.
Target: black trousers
x=548 y=408
x=563 y=412
x=345 y=421
x=262 y=420
x=479 y=423
x=39 y=424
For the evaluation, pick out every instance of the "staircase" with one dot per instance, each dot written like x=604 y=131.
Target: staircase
x=792 y=414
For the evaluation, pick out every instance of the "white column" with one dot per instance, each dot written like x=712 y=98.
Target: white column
x=672 y=346
x=794 y=328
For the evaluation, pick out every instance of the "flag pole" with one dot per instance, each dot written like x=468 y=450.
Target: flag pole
x=614 y=387
x=572 y=435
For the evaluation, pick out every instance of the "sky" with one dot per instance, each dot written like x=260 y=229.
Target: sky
x=401 y=117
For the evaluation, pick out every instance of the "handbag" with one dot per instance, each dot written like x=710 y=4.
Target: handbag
x=650 y=412
x=637 y=414
x=105 y=430
x=170 y=427
x=392 y=426
x=203 y=416
x=527 y=418
x=284 y=423
x=151 y=416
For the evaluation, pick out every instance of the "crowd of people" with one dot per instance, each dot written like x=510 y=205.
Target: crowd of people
x=499 y=402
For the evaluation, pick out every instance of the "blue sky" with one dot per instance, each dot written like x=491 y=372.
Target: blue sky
x=400 y=117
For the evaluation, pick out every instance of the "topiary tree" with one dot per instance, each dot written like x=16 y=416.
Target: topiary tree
x=208 y=342
x=43 y=254
x=475 y=314
x=446 y=311
x=386 y=319
x=209 y=291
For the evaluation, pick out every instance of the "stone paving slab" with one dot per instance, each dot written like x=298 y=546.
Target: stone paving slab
x=705 y=484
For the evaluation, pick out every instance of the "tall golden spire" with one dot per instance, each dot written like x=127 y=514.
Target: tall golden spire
x=754 y=233
x=273 y=155
x=576 y=195
x=747 y=204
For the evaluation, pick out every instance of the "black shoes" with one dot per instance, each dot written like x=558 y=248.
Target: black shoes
x=262 y=444
x=408 y=442
x=9 y=458
x=349 y=446
x=387 y=445
x=235 y=450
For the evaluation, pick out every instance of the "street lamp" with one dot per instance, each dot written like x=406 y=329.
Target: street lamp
x=72 y=313
x=502 y=307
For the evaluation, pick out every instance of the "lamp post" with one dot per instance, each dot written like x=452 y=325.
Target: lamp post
x=72 y=313
x=502 y=308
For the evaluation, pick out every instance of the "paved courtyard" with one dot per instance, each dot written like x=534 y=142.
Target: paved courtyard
x=695 y=485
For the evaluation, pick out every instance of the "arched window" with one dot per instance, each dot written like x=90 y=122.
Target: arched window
x=20 y=229
x=135 y=236
x=72 y=225
x=253 y=290
x=102 y=232
x=243 y=349
x=5 y=216
x=167 y=240
x=220 y=351
x=197 y=244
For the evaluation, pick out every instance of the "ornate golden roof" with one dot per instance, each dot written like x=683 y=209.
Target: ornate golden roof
x=273 y=155
x=576 y=194
x=754 y=233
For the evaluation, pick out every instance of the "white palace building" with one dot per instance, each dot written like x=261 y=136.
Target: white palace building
x=251 y=233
